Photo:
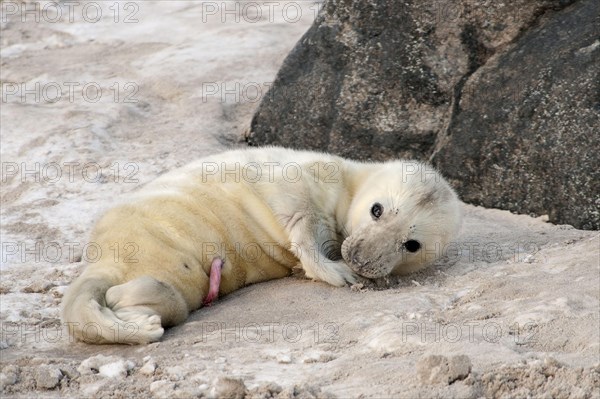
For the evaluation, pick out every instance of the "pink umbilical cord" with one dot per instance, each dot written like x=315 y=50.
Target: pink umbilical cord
x=214 y=281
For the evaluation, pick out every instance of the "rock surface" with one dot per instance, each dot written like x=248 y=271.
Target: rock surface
x=48 y=377
x=526 y=136
x=226 y=387
x=437 y=369
x=485 y=90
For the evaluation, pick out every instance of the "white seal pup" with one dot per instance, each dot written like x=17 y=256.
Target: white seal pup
x=247 y=216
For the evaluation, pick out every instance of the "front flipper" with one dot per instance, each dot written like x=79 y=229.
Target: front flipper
x=310 y=241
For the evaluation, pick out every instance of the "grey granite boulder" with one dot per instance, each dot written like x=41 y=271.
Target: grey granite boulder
x=526 y=135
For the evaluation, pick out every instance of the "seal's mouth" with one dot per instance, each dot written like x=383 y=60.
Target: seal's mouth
x=369 y=267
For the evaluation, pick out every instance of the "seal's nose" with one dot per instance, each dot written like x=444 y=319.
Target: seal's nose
x=353 y=256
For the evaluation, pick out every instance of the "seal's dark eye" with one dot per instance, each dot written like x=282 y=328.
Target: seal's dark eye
x=412 y=245
x=376 y=210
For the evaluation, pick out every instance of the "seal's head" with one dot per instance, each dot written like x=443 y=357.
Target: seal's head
x=400 y=219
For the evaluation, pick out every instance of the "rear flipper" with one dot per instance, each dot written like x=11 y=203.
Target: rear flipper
x=97 y=312
x=146 y=297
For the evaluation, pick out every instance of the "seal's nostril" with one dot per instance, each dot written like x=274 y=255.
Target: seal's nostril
x=353 y=257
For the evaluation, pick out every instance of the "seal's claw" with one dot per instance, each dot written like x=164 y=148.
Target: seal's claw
x=336 y=273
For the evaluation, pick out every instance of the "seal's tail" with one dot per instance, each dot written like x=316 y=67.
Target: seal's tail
x=95 y=310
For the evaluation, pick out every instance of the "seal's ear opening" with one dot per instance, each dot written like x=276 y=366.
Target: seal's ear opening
x=412 y=245
x=376 y=211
